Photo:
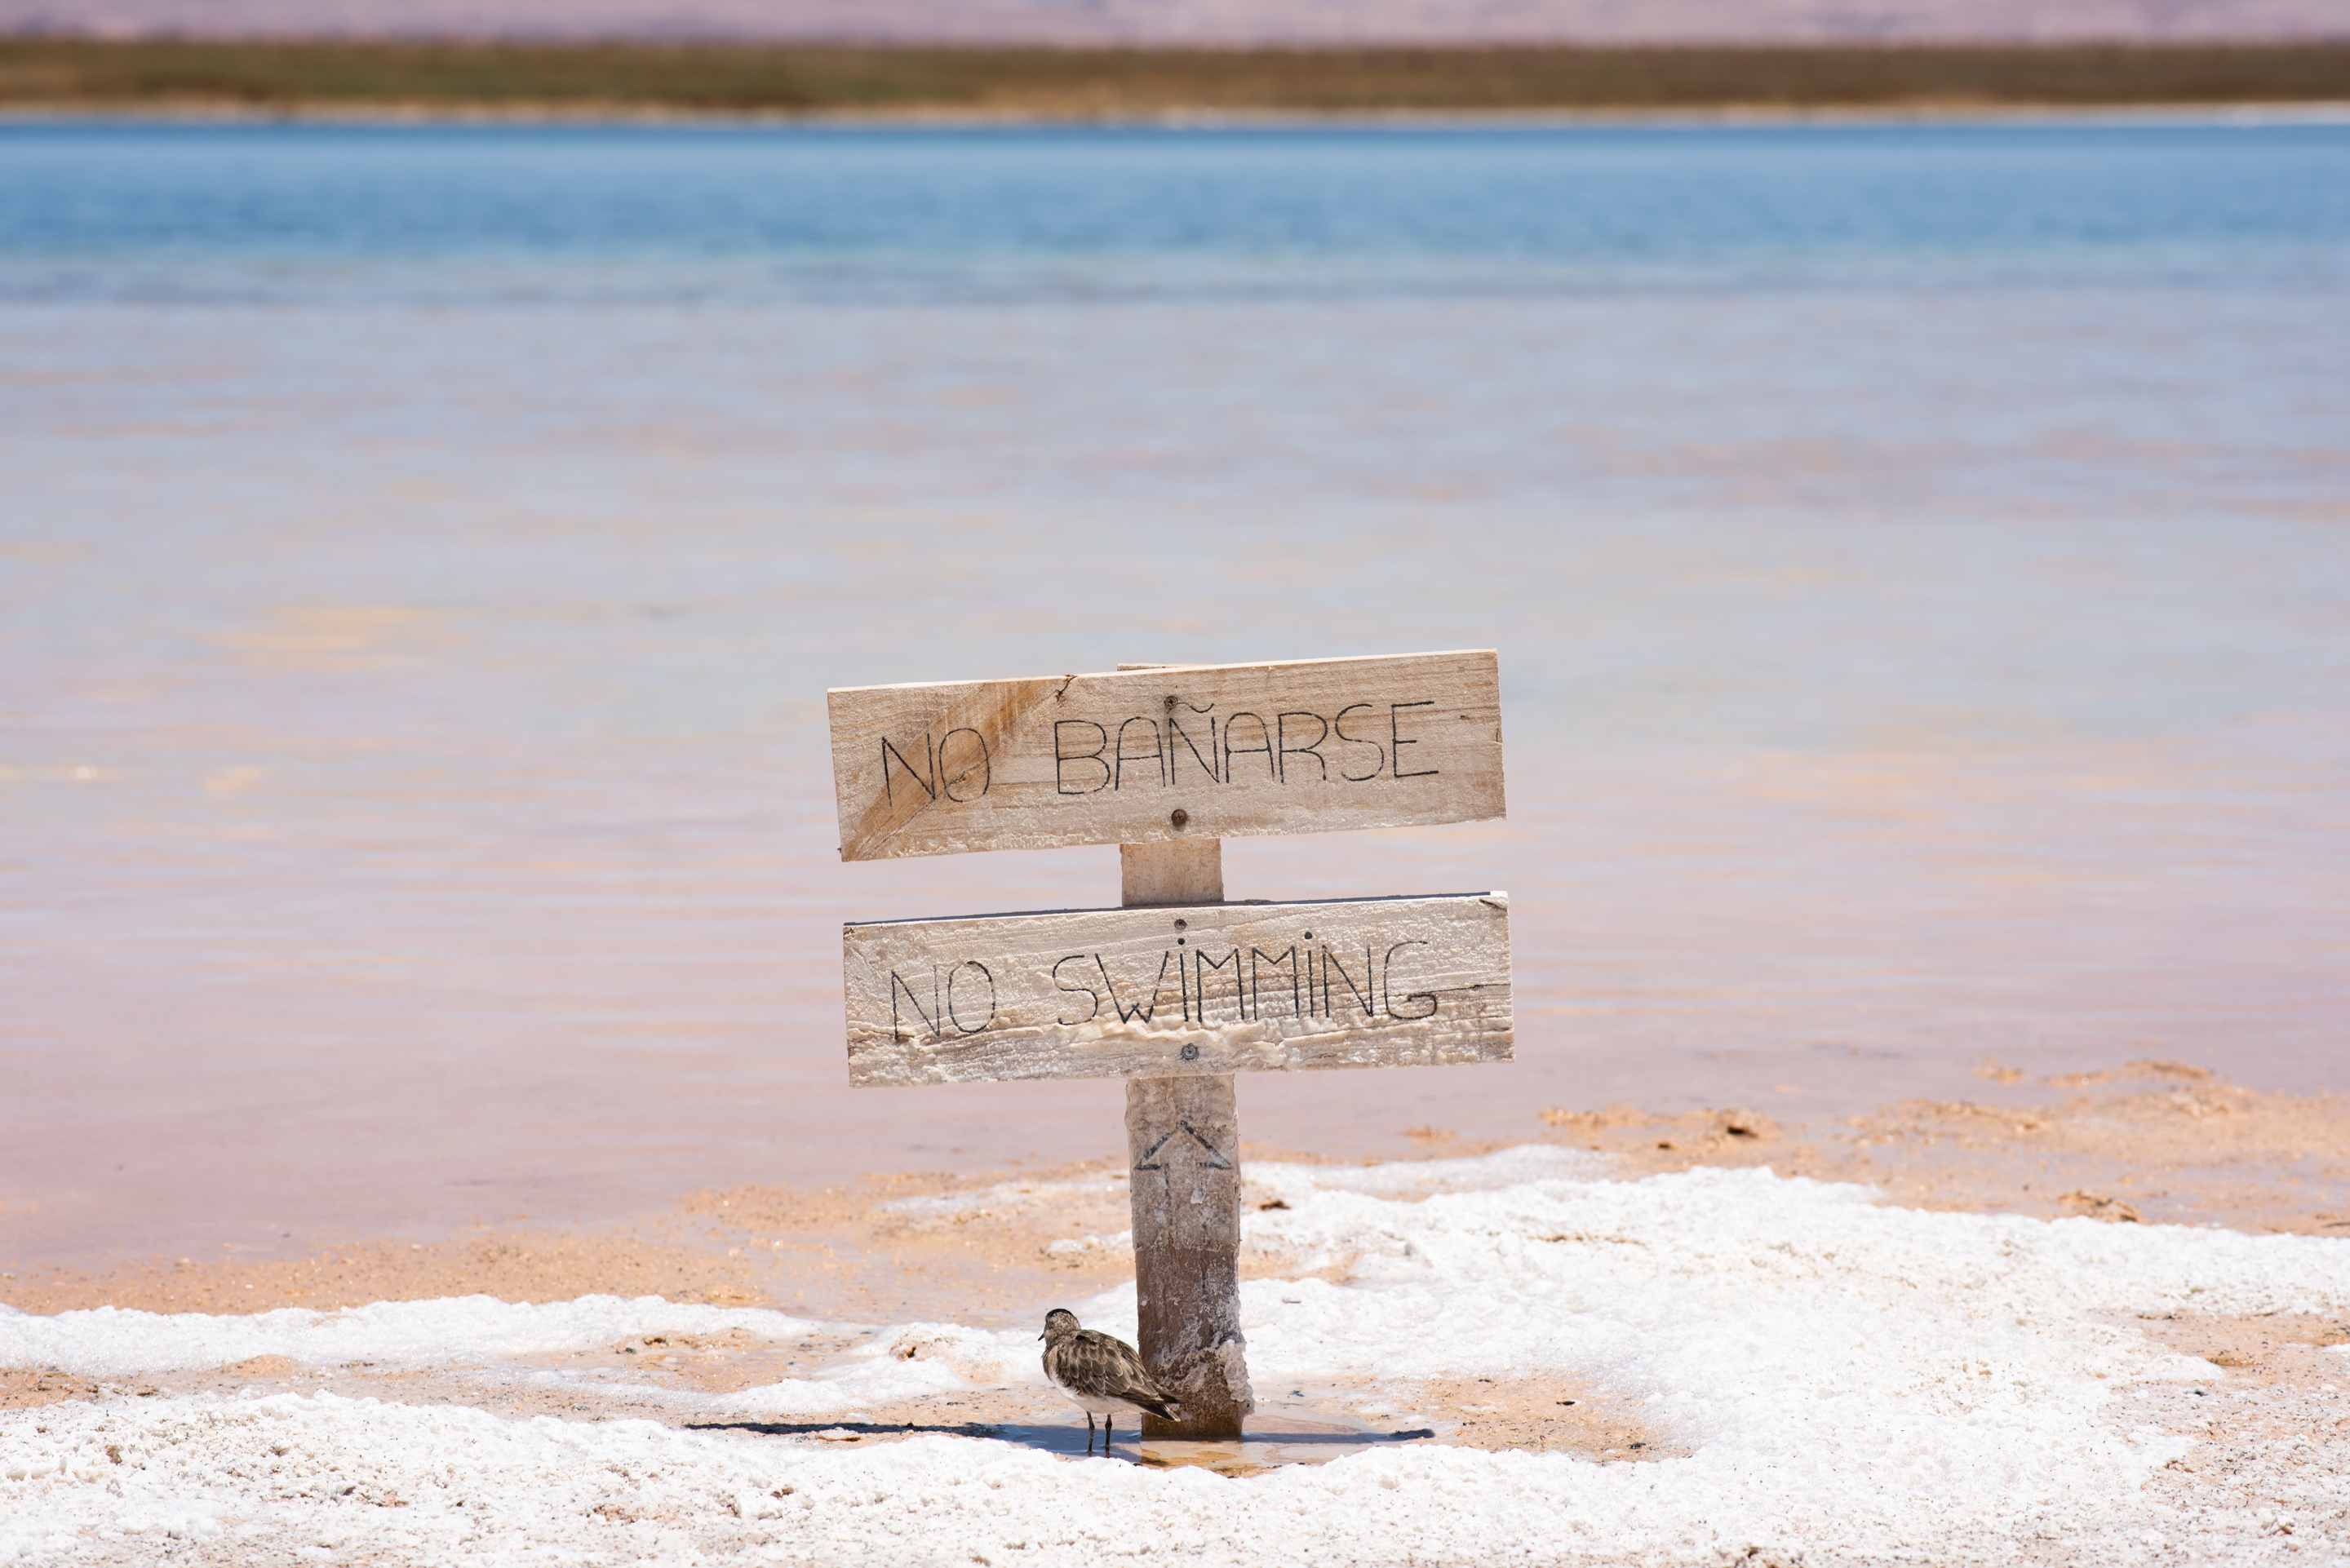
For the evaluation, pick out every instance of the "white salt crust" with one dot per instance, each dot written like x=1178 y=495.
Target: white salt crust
x=110 y=1342
x=1856 y=1384
x=899 y=1363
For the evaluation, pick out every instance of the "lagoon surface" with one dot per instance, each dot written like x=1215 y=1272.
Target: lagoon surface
x=1919 y=557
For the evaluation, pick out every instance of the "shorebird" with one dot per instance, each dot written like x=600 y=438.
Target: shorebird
x=1101 y=1375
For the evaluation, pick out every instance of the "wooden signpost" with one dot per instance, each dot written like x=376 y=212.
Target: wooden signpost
x=1177 y=990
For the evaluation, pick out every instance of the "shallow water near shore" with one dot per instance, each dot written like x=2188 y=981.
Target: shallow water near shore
x=1916 y=557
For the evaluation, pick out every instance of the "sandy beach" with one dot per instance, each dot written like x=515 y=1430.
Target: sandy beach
x=800 y=1330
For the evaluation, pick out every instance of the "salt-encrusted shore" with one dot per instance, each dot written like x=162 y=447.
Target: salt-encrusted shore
x=1534 y=1354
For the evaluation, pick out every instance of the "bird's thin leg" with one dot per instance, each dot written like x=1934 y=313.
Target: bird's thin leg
x=1107 y=1422
x=1089 y=1431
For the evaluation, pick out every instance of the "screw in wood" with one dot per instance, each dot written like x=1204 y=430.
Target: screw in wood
x=1190 y=1053
x=1180 y=816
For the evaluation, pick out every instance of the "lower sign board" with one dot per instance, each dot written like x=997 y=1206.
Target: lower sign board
x=1181 y=990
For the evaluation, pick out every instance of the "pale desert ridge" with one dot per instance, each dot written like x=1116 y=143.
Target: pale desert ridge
x=1534 y=1354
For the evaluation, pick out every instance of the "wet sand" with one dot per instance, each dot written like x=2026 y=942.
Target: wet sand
x=2149 y=1142
x=2153 y=1142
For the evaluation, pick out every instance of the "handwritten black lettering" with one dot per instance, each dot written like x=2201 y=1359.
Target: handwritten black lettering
x=925 y=778
x=1281 y=730
x=1210 y=765
x=929 y=1022
x=1399 y=743
x=1155 y=753
x=1231 y=751
x=1201 y=964
x=954 y=1015
x=1365 y=1001
x=1143 y=1011
x=1091 y=996
x=947 y=780
x=1387 y=983
x=1339 y=727
x=1298 y=1002
x=1063 y=757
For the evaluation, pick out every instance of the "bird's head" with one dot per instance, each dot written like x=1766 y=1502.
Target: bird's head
x=1060 y=1320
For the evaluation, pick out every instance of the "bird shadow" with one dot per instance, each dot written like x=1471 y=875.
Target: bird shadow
x=1050 y=1438
x=1292 y=1443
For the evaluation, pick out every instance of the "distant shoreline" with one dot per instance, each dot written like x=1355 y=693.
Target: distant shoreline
x=524 y=116
x=966 y=84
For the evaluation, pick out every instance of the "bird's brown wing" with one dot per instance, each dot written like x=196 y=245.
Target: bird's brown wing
x=1093 y=1363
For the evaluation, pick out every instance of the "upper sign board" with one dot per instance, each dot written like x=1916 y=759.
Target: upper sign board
x=1208 y=751
x=1181 y=990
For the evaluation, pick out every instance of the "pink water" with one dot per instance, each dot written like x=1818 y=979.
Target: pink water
x=416 y=794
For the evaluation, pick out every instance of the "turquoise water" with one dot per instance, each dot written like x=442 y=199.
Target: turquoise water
x=745 y=218
x=1916 y=555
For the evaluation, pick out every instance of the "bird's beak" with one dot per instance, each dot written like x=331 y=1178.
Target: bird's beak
x=1040 y=1336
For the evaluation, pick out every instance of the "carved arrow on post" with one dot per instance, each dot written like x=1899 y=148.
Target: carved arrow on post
x=1151 y=1160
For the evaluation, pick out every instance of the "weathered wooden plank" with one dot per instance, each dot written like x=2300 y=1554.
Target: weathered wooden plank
x=1149 y=755
x=1183 y=1140
x=1184 y=873
x=1181 y=990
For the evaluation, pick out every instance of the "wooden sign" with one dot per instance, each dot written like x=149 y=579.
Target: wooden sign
x=1178 y=990
x=1181 y=990
x=1215 y=750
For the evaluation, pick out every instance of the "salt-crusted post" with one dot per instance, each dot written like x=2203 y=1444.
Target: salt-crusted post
x=1182 y=1142
x=1177 y=990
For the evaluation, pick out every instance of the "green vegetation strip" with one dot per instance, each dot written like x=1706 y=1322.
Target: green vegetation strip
x=777 y=79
